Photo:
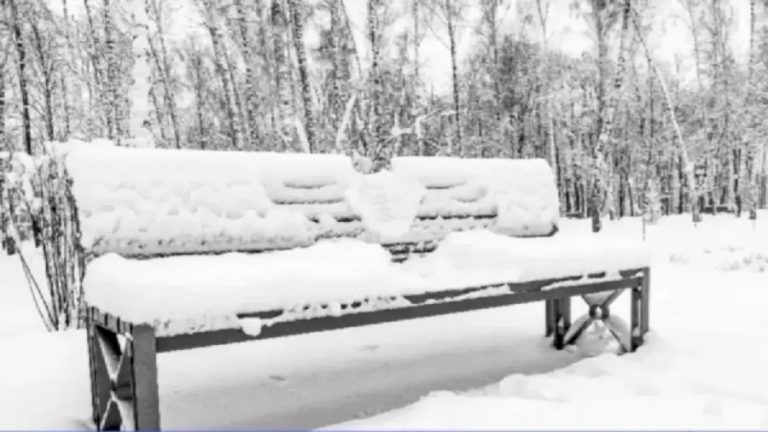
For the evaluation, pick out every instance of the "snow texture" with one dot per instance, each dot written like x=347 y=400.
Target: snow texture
x=190 y=293
x=464 y=258
x=149 y=202
x=387 y=202
x=701 y=368
x=521 y=194
x=159 y=202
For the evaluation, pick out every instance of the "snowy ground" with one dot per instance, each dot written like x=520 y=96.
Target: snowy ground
x=703 y=367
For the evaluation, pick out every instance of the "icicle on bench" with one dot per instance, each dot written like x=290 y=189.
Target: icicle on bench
x=169 y=240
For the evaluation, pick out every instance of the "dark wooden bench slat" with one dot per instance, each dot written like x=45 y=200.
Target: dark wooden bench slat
x=522 y=293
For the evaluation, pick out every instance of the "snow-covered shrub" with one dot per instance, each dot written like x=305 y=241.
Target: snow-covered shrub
x=37 y=193
x=60 y=232
x=17 y=199
x=756 y=261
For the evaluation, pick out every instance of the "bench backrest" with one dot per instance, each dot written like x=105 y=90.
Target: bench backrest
x=152 y=202
x=519 y=195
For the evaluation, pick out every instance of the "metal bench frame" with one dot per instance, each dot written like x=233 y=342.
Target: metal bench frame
x=123 y=355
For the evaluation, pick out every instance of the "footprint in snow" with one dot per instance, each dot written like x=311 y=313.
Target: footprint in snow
x=278 y=378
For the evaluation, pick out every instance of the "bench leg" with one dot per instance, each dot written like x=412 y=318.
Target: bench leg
x=100 y=384
x=124 y=378
x=640 y=311
x=145 y=394
x=562 y=320
x=599 y=310
x=549 y=317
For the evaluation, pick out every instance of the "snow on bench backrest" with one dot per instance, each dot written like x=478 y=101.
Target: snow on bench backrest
x=151 y=202
x=516 y=197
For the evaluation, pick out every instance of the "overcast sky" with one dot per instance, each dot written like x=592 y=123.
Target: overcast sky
x=670 y=36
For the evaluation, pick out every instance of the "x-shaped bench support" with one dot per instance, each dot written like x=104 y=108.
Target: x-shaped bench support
x=558 y=317
x=122 y=355
x=123 y=378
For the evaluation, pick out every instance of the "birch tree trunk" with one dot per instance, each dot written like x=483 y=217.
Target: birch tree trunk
x=335 y=41
x=241 y=127
x=542 y=9
x=490 y=15
x=223 y=73
x=199 y=88
x=378 y=136
x=686 y=161
x=65 y=98
x=163 y=65
x=47 y=84
x=750 y=149
x=4 y=144
x=98 y=92
x=451 y=13
x=297 y=28
x=417 y=76
x=248 y=54
x=279 y=30
x=21 y=56
x=113 y=117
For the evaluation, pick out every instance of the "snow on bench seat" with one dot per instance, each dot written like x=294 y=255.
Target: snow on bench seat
x=186 y=294
x=472 y=258
x=195 y=292
x=149 y=202
x=518 y=196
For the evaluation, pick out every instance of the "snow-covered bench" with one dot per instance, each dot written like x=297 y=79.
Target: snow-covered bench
x=187 y=249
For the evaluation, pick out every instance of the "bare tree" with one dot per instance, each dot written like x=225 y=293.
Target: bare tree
x=451 y=11
x=378 y=133
x=45 y=52
x=248 y=54
x=114 y=129
x=222 y=72
x=21 y=57
x=670 y=105
x=4 y=48
x=162 y=63
x=602 y=18
x=297 y=30
x=282 y=71
x=490 y=16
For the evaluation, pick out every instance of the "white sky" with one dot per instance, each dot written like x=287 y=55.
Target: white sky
x=670 y=37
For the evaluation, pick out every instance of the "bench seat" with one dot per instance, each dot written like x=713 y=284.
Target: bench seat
x=188 y=294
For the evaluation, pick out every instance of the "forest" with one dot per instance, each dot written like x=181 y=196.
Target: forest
x=623 y=131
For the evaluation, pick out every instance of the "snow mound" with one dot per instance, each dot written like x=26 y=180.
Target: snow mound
x=751 y=257
x=464 y=258
x=520 y=194
x=205 y=292
x=606 y=392
x=159 y=202
x=387 y=202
